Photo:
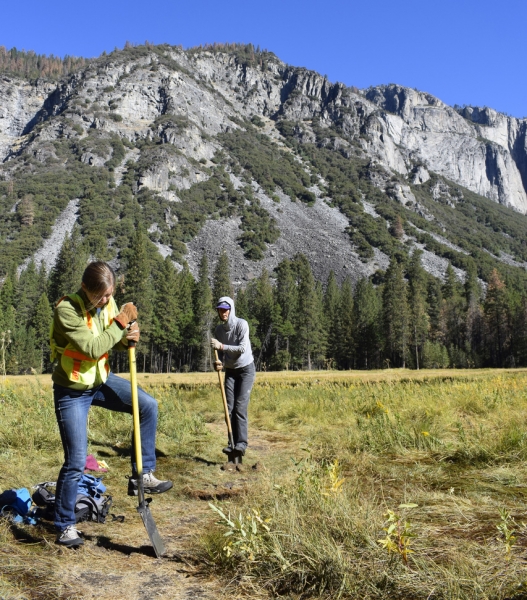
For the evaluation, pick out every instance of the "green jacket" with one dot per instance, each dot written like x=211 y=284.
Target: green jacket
x=69 y=326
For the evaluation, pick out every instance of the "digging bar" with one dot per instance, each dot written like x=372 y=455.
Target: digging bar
x=143 y=509
x=233 y=456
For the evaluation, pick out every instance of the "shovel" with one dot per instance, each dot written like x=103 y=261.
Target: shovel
x=233 y=456
x=143 y=509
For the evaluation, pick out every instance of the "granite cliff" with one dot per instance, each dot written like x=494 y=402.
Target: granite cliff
x=162 y=119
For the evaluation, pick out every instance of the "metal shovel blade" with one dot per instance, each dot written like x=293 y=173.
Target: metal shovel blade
x=151 y=529
x=143 y=509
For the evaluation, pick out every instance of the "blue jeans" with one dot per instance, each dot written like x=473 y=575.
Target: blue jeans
x=71 y=410
x=238 y=386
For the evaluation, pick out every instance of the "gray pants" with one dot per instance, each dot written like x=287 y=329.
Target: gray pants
x=238 y=386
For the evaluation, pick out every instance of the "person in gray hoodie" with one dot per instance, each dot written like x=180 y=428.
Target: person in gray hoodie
x=235 y=354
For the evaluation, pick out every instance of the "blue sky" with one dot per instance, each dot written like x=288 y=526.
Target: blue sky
x=463 y=52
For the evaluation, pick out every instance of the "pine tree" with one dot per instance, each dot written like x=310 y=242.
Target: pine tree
x=27 y=293
x=520 y=332
x=419 y=320
x=203 y=315
x=367 y=309
x=451 y=286
x=286 y=295
x=66 y=275
x=453 y=313
x=332 y=307
x=166 y=311
x=434 y=300
x=26 y=211
x=472 y=287
x=138 y=287
x=43 y=279
x=7 y=334
x=24 y=356
x=242 y=304
x=5 y=342
x=309 y=324
x=474 y=315
x=221 y=281
x=185 y=285
x=496 y=310
x=41 y=323
x=343 y=326
x=261 y=304
x=7 y=296
x=395 y=314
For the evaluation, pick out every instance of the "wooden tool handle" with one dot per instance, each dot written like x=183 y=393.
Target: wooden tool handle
x=225 y=407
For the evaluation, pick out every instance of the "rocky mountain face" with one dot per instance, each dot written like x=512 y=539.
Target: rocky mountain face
x=163 y=121
x=20 y=101
x=480 y=149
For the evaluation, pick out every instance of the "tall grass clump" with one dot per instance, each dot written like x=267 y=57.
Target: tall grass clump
x=312 y=528
x=29 y=439
x=181 y=425
x=320 y=535
x=401 y=492
x=463 y=419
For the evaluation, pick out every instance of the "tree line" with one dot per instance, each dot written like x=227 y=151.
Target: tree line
x=31 y=65
x=401 y=317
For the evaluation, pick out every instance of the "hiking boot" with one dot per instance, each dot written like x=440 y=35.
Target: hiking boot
x=227 y=450
x=70 y=537
x=151 y=485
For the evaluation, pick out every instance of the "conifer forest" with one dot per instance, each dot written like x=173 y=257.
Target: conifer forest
x=402 y=317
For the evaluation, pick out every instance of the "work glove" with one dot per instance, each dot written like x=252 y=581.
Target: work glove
x=128 y=313
x=218 y=365
x=133 y=332
x=216 y=345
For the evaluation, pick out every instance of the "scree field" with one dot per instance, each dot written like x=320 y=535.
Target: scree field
x=393 y=484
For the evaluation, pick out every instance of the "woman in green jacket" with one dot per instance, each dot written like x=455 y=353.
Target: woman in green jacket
x=86 y=325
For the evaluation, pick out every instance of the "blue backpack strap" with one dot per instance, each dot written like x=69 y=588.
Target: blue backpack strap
x=90 y=485
x=16 y=505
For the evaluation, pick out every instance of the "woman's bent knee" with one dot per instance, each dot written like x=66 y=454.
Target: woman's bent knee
x=148 y=405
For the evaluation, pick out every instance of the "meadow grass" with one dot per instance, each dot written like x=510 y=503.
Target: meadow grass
x=392 y=484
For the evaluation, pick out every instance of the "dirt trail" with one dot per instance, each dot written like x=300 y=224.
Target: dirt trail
x=117 y=560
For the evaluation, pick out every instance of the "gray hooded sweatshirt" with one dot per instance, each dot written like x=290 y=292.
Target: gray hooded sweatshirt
x=234 y=335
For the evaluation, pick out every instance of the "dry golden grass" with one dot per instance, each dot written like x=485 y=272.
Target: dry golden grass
x=335 y=451
x=291 y=377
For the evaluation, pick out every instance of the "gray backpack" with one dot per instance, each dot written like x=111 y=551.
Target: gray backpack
x=87 y=508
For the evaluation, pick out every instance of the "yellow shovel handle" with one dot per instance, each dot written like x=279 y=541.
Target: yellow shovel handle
x=135 y=408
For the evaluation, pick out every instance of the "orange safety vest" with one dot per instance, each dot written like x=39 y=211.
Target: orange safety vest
x=79 y=367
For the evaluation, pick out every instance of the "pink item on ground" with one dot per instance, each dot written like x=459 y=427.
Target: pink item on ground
x=92 y=464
